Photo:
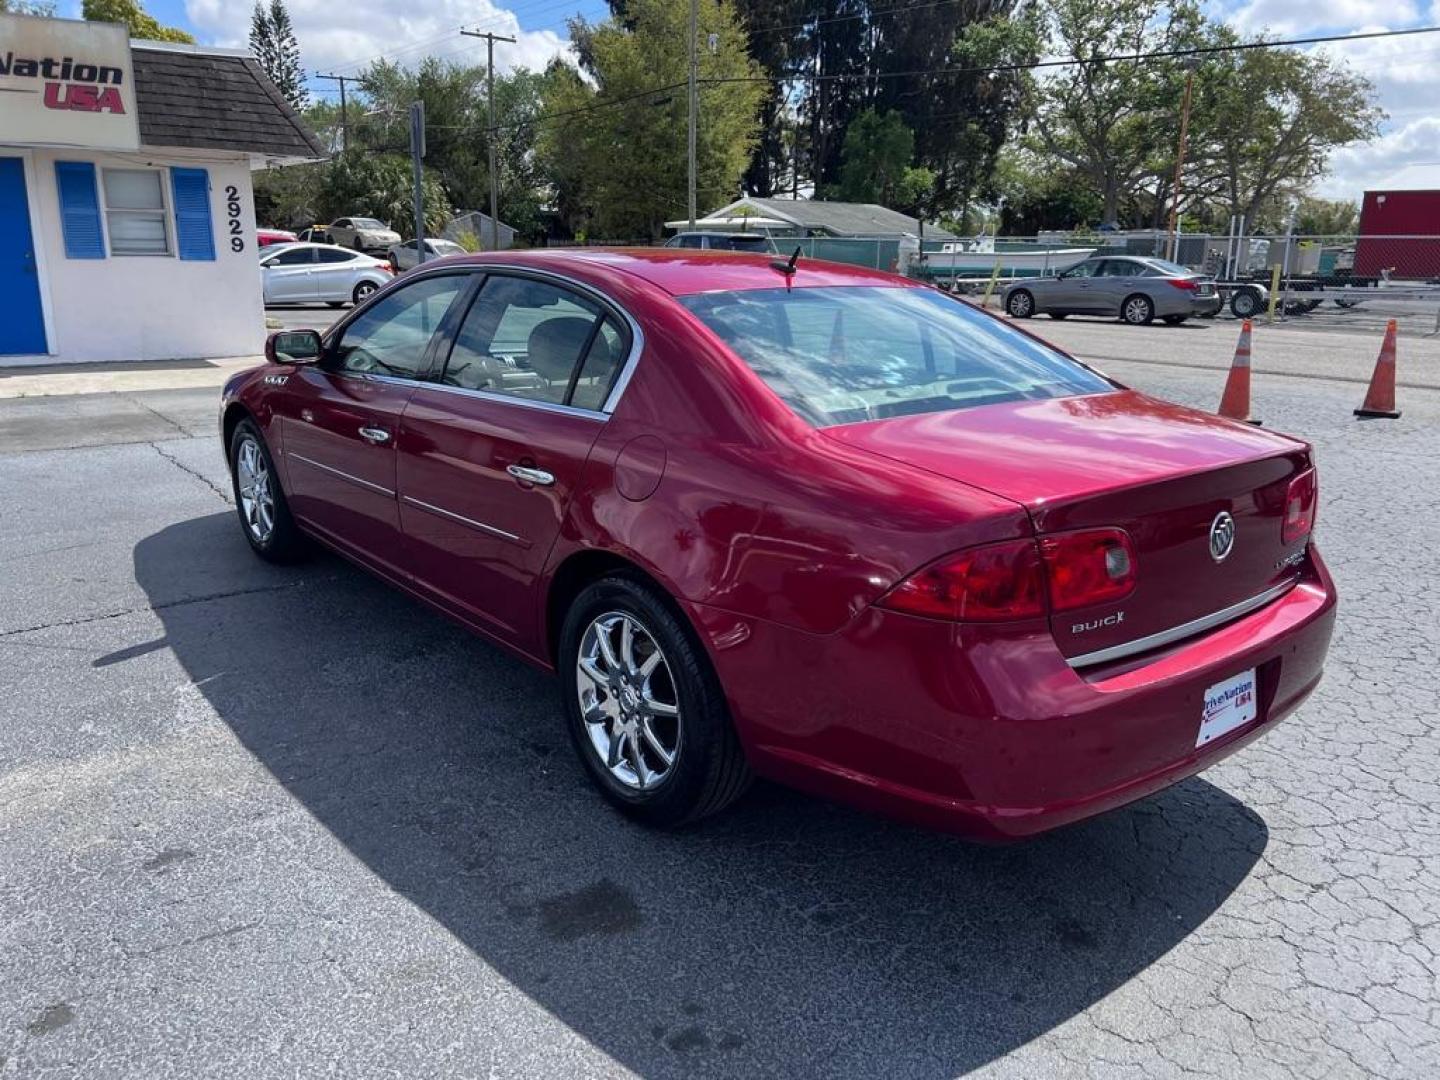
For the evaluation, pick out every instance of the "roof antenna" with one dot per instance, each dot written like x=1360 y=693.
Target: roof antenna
x=786 y=266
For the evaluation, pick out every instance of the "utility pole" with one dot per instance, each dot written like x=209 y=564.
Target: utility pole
x=1179 y=165
x=344 y=111
x=490 y=40
x=694 y=101
x=417 y=151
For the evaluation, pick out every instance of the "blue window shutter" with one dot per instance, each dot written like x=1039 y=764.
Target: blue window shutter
x=79 y=210
x=194 y=233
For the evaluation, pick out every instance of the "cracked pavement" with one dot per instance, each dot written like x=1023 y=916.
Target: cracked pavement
x=283 y=821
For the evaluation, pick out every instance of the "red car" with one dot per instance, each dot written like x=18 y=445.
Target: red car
x=265 y=237
x=805 y=521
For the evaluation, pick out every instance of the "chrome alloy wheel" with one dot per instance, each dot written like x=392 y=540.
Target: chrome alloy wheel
x=257 y=498
x=1137 y=310
x=628 y=700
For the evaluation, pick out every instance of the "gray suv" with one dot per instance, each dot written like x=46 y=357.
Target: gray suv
x=1131 y=288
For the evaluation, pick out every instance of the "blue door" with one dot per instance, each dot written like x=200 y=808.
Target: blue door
x=22 y=323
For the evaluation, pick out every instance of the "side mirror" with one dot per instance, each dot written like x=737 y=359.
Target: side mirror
x=292 y=346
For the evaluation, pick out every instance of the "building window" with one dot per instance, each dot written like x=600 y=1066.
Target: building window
x=135 y=213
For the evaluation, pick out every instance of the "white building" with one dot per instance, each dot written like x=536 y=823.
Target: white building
x=127 y=223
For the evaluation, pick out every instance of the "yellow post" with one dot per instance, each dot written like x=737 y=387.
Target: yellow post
x=1274 y=291
x=990 y=286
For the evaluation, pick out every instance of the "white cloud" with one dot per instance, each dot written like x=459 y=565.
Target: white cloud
x=1406 y=157
x=344 y=40
x=1307 y=18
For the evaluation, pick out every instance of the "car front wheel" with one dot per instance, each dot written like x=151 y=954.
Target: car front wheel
x=644 y=708
x=1137 y=310
x=1020 y=304
x=260 y=500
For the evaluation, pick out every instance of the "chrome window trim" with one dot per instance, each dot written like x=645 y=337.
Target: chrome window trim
x=1184 y=630
x=343 y=475
x=461 y=519
x=511 y=399
x=627 y=370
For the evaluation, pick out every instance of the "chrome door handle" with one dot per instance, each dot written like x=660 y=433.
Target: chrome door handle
x=530 y=475
x=375 y=435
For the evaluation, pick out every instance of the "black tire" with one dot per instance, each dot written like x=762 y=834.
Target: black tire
x=1058 y=315
x=363 y=291
x=1020 y=304
x=284 y=543
x=709 y=769
x=1137 y=309
x=359 y=246
x=1245 y=304
x=1174 y=320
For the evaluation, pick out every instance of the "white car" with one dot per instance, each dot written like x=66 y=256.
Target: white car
x=362 y=234
x=312 y=273
x=402 y=256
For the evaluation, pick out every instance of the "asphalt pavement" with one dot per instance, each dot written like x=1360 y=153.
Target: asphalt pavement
x=258 y=821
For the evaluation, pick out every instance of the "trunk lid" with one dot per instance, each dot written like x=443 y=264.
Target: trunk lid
x=1160 y=471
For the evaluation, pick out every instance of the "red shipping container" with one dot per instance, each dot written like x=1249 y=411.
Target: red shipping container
x=1413 y=217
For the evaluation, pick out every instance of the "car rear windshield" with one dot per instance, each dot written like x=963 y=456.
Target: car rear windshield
x=1165 y=266
x=841 y=355
x=741 y=243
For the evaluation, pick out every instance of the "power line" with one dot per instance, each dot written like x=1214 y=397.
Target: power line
x=1074 y=61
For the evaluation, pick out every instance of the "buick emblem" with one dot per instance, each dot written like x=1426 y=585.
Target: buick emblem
x=1222 y=536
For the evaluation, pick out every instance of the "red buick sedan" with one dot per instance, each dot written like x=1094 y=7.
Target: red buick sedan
x=803 y=521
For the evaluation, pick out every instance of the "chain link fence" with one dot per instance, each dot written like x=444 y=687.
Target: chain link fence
x=1356 y=282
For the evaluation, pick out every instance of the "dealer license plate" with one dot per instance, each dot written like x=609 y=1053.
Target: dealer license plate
x=1228 y=705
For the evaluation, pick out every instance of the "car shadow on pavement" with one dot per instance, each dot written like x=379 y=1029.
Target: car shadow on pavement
x=788 y=937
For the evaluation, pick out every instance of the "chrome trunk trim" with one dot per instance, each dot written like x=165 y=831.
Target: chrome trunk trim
x=1184 y=630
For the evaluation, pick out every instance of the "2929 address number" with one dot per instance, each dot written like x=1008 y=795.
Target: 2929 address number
x=232 y=209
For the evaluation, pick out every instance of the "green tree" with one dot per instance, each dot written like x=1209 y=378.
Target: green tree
x=361 y=183
x=141 y=24
x=875 y=165
x=628 y=147
x=1326 y=217
x=43 y=8
x=1112 y=123
x=273 y=45
x=1271 y=120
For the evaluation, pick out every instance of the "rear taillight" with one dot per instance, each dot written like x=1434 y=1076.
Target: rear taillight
x=1188 y=284
x=992 y=583
x=1300 y=502
x=387 y=268
x=1021 y=579
x=1088 y=567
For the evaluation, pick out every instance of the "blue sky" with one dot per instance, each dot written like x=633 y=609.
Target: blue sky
x=1406 y=71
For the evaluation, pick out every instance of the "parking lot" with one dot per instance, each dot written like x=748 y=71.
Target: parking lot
x=263 y=821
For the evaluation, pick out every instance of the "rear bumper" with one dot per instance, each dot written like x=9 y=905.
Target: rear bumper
x=992 y=734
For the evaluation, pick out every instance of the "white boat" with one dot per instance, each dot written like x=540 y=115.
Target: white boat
x=978 y=258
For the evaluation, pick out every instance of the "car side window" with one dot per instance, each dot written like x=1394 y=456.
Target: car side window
x=533 y=340
x=343 y=223
x=391 y=336
x=335 y=255
x=1083 y=270
x=1119 y=268
x=293 y=257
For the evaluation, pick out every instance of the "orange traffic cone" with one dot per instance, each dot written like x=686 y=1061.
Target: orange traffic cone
x=1380 y=398
x=1235 y=402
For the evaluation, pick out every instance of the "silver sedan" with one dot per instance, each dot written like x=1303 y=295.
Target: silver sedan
x=315 y=273
x=402 y=256
x=1131 y=288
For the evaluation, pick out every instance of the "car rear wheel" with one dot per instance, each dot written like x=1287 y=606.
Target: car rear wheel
x=644 y=708
x=260 y=500
x=363 y=291
x=1137 y=310
x=1020 y=304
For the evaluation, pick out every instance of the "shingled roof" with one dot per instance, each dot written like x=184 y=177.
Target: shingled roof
x=215 y=101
